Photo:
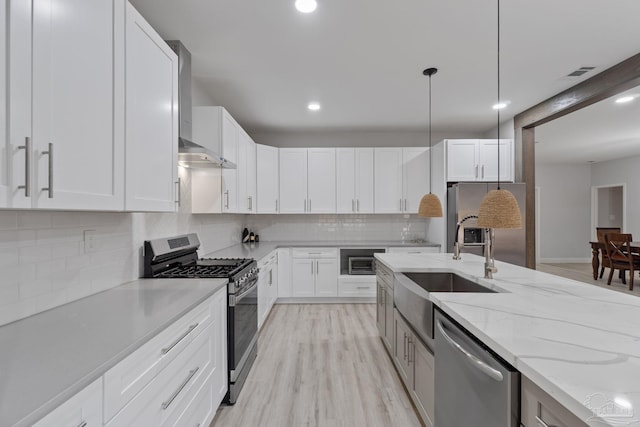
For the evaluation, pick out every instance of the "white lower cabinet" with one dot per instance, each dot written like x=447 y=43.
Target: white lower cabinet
x=267 y=285
x=314 y=272
x=357 y=286
x=284 y=273
x=83 y=409
x=415 y=365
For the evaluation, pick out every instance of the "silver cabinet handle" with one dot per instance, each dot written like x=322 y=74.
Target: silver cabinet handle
x=180 y=338
x=482 y=171
x=357 y=205
x=226 y=194
x=541 y=423
x=317 y=268
x=175 y=394
x=270 y=277
x=409 y=346
x=49 y=153
x=249 y=203
x=82 y=424
x=27 y=166
x=312 y=267
x=405 y=205
x=476 y=171
x=405 y=345
x=309 y=205
x=353 y=205
x=400 y=205
x=179 y=199
x=362 y=287
x=483 y=367
x=276 y=205
x=305 y=205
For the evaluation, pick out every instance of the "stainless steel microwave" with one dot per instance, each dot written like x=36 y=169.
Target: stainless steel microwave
x=362 y=265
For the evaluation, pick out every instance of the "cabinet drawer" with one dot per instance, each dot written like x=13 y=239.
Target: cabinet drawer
x=415 y=250
x=314 y=253
x=536 y=405
x=84 y=407
x=131 y=375
x=357 y=287
x=384 y=274
x=160 y=401
x=266 y=260
x=200 y=410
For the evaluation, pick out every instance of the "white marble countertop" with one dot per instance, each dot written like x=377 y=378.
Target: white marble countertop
x=263 y=248
x=47 y=358
x=579 y=343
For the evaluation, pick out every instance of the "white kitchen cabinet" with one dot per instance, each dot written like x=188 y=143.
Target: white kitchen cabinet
x=267 y=285
x=476 y=160
x=307 y=180
x=321 y=176
x=293 y=180
x=246 y=173
x=357 y=286
x=83 y=409
x=314 y=272
x=151 y=119
x=5 y=180
x=401 y=179
x=71 y=111
x=284 y=273
x=216 y=129
x=267 y=179
x=539 y=408
x=415 y=365
x=388 y=180
x=355 y=178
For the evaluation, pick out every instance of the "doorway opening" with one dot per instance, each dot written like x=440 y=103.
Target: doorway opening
x=608 y=207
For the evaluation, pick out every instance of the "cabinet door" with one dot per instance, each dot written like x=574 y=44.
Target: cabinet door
x=388 y=180
x=263 y=295
x=321 y=180
x=273 y=283
x=423 y=381
x=462 y=160
x=400 y=347
x=303 y=274
x=380 y=317
x=364 y=180
x=488 y=159
x=251 y=176
x=152 y=119
x=415 y=177
x=219 y=336
x=284 y=273
x=230 y=138
x=78 y=101
x=326 y=277
x=293 y=180
x=388 y=324
x=346 y=179
x=83 y=409
x=267 y=178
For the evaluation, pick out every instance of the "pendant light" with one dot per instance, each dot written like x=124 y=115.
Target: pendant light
x=499 y=208
x=430 y=206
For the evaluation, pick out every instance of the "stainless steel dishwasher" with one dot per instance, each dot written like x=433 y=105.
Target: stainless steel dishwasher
x=472 y=387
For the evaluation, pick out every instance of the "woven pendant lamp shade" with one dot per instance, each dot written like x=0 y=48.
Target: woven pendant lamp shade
x=499 y=209
x=430 y=206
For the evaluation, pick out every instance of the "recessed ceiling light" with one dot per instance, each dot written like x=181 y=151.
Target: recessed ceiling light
x=625 y=99
x=313 y=106
x=306 y=6
x=500 y=105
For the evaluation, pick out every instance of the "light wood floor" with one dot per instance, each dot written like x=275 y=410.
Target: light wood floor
x=584 y=273
x=321 y=365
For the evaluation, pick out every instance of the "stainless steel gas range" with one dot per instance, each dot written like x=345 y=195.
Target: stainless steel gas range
x=177 y=257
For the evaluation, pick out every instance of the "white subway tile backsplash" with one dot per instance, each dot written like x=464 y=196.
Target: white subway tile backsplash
x=34 y=219
x=8 y=220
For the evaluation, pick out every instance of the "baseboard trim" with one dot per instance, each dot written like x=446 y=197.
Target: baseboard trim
x=564 y=260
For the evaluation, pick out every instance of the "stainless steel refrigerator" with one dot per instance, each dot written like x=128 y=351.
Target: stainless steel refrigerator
x=463 y=200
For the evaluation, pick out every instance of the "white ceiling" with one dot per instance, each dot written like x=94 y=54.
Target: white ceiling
x=363 y=59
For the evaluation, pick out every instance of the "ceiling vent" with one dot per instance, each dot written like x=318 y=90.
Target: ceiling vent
x=580 y=71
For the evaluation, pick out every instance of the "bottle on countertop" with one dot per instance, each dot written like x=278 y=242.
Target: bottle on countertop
x=252 y=237
x=245 y=235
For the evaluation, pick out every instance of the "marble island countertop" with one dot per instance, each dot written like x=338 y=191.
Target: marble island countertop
x=263 y=248
x=579 y=343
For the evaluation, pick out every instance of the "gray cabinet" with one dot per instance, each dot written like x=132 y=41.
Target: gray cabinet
x=384 y=313
x=538 y=409
x=415 y=363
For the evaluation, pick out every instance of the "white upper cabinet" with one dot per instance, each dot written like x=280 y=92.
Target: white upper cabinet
x=321 y=175
x=401 y=179
x=354 y=175
x=476 y=160
x=152 y=119
x=415 y=177
x=77 y=104
x=388 y=180
x=293 y=180
x=267 y=179
x=246 y=173
x=214 y=128
x=5 y=180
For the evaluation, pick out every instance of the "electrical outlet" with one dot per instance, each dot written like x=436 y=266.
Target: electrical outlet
x=89 y=241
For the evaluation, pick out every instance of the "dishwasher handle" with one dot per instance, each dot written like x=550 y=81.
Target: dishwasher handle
x=483 y=367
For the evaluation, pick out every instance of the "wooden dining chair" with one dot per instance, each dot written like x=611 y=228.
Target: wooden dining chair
x=600 y=233
x=618 y=249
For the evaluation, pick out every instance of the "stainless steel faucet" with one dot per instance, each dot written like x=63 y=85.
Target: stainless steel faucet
x=489 y=261
x=457 y=244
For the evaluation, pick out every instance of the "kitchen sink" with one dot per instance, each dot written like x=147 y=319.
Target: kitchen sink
x=445 y=282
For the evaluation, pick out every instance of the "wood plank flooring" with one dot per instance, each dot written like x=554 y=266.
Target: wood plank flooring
x=321 y=365
x=583 y=272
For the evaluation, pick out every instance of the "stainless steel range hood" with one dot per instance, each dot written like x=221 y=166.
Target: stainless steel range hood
x=190 y=153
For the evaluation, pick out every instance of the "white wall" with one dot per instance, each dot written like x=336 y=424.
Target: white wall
x=565 y=212
x=610 y=207
x=622 y=171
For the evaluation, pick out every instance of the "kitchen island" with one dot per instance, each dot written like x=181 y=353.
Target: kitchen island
x=578 y=343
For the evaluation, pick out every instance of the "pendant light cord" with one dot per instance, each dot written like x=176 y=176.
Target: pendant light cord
x=499 y=101
x=430 y=154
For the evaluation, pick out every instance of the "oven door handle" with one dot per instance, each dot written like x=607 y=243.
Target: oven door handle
x=235 y=299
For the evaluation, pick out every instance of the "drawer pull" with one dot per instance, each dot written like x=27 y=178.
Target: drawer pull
x=541 y=423
x=175 y=394
x=83 y=424
x=180 y=338
x=363 y=287
x=27 y=166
